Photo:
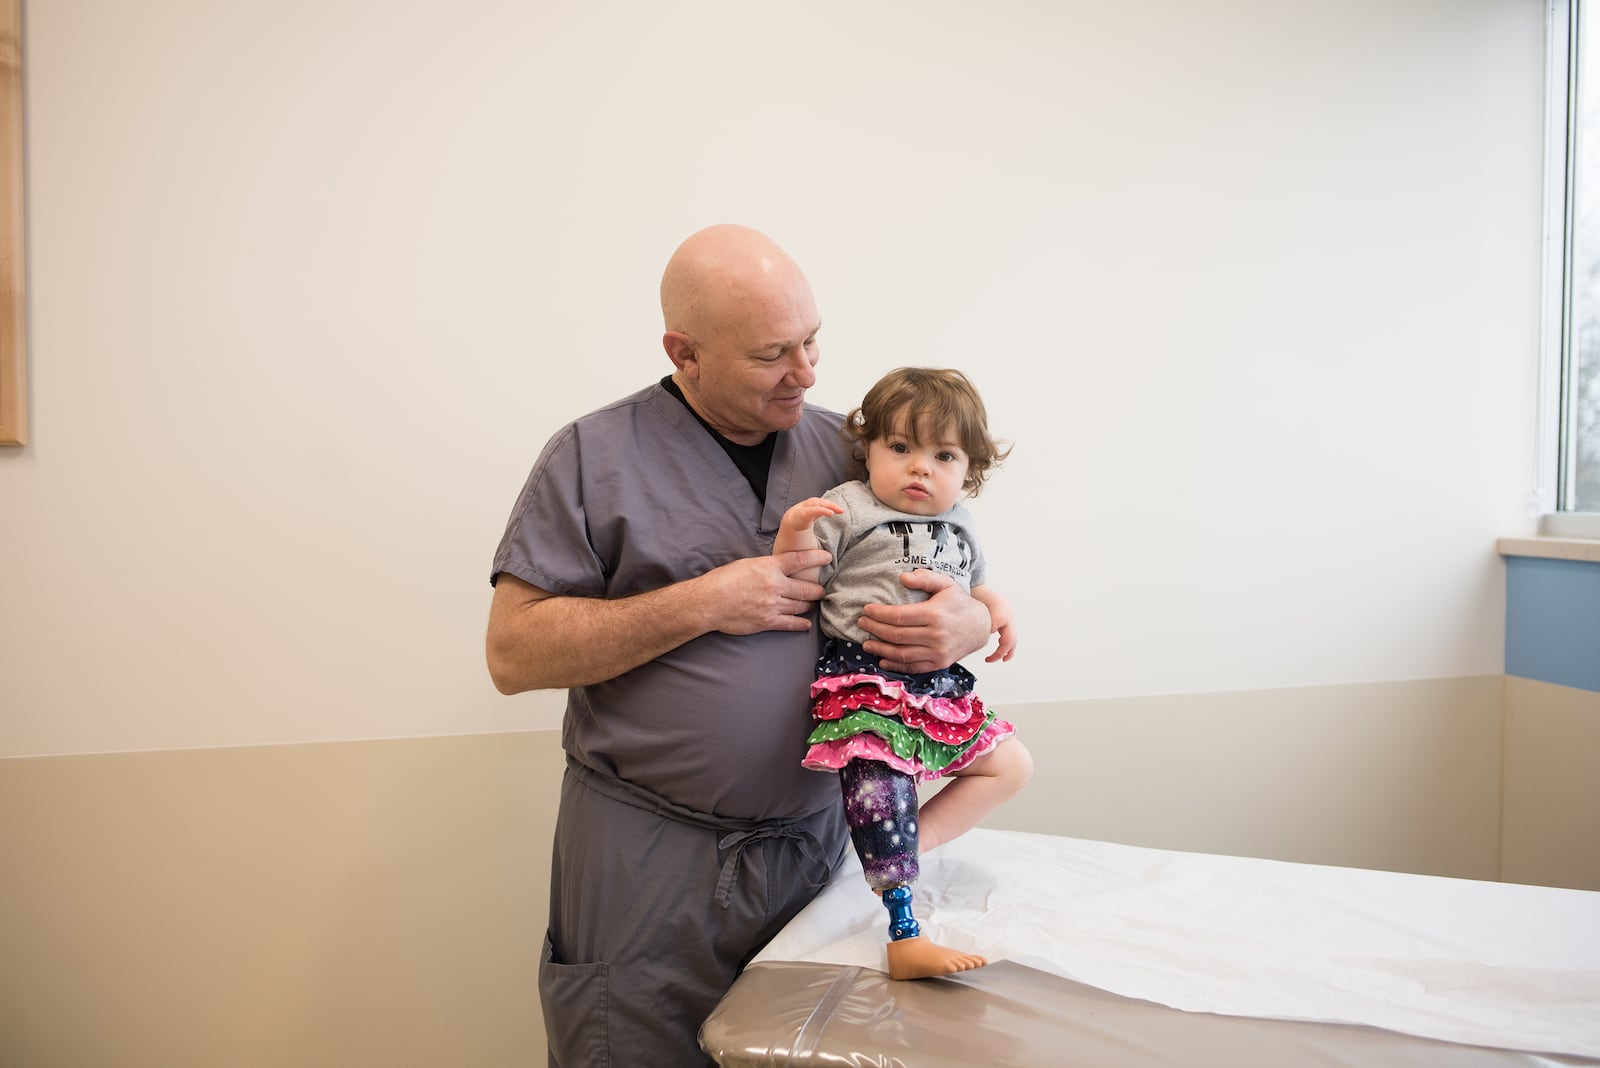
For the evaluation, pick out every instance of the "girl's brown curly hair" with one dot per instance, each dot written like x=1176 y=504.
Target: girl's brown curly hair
x=925 y=404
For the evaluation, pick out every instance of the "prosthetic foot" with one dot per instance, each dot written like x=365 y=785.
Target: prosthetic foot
x=912 y=956
x=918 y=958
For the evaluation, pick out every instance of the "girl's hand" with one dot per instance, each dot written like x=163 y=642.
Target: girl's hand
x=1007 y=647
x=800 y=517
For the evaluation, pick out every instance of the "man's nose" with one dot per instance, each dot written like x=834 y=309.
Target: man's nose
x=802 y=370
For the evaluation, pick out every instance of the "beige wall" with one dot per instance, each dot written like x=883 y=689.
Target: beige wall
x=1402 y=776
x=312 y=283
x=1552 y=785
x=366 y=903
x=382 y=902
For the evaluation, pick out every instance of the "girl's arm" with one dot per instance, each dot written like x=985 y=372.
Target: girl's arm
x=1000 y=619
x=795 y=532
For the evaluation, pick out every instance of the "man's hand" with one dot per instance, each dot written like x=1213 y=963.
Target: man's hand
x=929 y=635
x=762 y=592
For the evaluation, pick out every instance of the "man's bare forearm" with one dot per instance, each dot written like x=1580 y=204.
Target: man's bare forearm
x=540 y=641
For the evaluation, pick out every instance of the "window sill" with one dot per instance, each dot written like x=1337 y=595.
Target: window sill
x=1581 y=525
x=1587 y=549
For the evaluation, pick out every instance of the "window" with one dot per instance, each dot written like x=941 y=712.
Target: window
x=1570 y=394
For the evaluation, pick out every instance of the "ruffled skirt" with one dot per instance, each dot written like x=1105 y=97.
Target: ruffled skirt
x=926 y=725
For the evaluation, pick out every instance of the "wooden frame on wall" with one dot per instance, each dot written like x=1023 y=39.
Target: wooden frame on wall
x=13 y=304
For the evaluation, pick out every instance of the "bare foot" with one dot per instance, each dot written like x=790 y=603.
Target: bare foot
x=918 y=958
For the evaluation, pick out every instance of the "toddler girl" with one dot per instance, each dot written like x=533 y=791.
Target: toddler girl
x=922 y=436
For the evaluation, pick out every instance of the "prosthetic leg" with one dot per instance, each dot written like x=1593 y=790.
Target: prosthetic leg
x=880 y=805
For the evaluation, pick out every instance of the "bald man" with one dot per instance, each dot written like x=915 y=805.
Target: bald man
x=636 y=572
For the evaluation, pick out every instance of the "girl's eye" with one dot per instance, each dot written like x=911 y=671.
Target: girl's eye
x=947 y=457
x=899 y=447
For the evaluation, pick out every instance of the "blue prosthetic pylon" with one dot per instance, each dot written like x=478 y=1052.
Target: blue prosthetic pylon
x=897 y=899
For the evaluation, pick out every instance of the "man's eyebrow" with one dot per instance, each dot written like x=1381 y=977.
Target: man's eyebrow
x=779 y=346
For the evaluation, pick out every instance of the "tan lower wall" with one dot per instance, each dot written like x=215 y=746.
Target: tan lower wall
x=1401 y=776
x=1551 y=816
x=371 y=903
x=382 y=902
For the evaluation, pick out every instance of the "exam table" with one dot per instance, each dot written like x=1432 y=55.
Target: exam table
x=1105 y=954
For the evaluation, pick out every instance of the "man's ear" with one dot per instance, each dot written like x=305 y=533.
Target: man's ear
x=680 y=350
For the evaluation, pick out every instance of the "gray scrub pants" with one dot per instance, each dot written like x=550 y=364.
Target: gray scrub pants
x=654 y=911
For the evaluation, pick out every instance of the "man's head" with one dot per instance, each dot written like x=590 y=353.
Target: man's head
x=741 y=329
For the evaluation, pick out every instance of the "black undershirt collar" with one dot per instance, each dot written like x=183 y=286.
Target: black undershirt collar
x=753 y=461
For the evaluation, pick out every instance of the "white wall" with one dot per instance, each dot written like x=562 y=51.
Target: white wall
x=1253 y=285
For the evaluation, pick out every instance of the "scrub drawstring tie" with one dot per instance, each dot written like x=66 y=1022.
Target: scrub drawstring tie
x=735 y=843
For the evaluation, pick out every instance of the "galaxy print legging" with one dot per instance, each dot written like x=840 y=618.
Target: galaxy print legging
x=880 y=804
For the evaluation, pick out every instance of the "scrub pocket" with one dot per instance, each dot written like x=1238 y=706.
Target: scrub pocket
x=573 y=997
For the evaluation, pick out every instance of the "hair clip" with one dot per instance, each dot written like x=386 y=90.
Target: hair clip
x=858 y=419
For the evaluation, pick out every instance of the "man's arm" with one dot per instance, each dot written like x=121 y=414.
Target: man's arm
x=929 y=635
x=538 y=640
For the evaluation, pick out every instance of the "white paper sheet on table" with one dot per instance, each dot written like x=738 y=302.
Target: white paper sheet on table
x=1489 y=964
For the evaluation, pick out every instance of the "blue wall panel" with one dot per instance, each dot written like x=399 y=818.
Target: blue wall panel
x=1553 y=621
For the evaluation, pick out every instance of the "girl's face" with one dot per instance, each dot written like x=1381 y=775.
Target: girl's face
x=919 y=478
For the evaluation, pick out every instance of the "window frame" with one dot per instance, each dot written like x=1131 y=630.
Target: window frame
x=1557 y=402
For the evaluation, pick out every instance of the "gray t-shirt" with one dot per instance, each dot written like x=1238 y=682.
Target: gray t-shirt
x=872 y=544
x=637 y=496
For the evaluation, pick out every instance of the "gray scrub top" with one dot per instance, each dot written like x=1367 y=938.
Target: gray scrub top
x=637 y=496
